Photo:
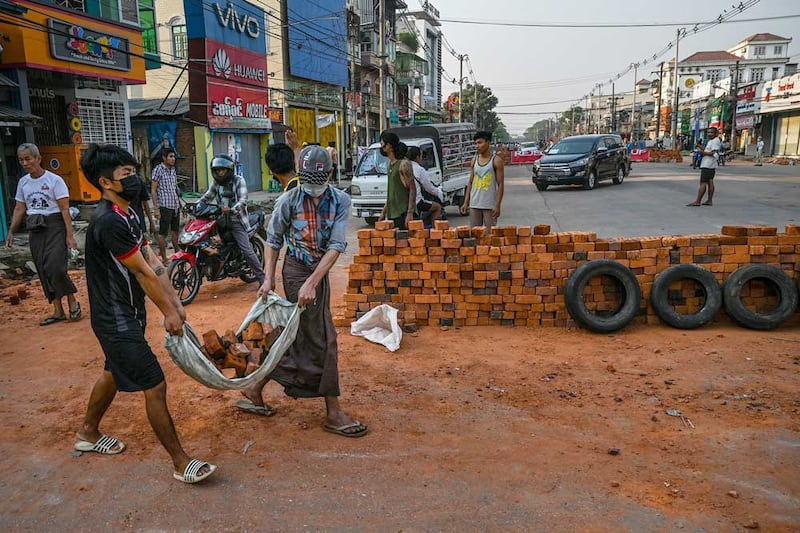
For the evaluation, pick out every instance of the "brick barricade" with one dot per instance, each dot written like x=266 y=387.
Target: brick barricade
x=516 y=275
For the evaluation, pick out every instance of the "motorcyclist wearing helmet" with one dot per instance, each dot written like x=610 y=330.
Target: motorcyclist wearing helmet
x=227 y=181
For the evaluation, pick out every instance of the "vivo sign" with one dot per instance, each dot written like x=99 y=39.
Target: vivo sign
x=236 y=23
x=242 y=23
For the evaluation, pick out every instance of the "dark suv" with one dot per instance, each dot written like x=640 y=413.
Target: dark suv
x=582 y=160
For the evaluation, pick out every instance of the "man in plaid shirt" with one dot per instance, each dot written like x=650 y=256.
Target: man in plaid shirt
x=166 y=202
x=312 y=221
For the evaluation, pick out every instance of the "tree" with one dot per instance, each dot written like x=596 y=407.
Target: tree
x=485 y=118
x=540 y=131
x=500 y=133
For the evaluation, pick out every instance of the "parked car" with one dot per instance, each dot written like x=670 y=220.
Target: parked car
x=582 y=160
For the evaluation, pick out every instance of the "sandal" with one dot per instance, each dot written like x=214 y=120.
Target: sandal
x=354 y=429
x=105 y=445
x=190 y=474
x=249 y=407
x=52 y=320
x=76 y=314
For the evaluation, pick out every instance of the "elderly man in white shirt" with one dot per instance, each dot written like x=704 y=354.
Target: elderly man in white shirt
x=426 y=190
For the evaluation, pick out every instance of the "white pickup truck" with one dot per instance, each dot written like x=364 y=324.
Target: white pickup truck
x=447 y=153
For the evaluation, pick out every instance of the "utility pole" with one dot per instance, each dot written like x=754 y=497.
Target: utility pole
x=460 y=84
x=475 y=102
x=355 y=85
x=586 y=116
x=675 y=89
x=613 y=109
x=660 y=92
x=633 y=110
x=734 y=95
x=382 y=63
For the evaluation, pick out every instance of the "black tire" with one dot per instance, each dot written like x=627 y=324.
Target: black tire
x=659 y=296
x=258 y=247
x=620 y=176
x=542 y=186
x=576 y=306
x=370 y=220
x=590 y=181
x=780 y=280
x=185 y=280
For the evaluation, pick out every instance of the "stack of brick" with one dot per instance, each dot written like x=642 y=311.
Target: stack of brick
x=516 y=275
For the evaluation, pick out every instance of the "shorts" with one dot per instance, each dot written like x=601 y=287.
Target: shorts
x=169 y=219
x=423 y=206
x=400 y=222
x=707 y=174
x=131 y=362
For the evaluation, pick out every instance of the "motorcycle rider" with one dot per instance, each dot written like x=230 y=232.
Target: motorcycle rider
x=227 y=181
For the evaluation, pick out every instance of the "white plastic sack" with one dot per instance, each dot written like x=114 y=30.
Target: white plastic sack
x=379 y=325
x=276 y=311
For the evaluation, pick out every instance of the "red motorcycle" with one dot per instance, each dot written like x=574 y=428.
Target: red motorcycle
x=209 y=251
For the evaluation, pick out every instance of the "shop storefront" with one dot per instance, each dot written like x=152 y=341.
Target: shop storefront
x=780 y=112
x=230 y=96
x=71 y=70
x=748 y=109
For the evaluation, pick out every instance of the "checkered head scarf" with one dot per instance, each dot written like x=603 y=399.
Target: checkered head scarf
x=315 y=165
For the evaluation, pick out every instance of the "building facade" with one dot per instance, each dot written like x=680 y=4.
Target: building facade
x=67 y=66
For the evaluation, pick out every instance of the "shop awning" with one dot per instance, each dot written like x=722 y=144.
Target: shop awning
x=12 y=114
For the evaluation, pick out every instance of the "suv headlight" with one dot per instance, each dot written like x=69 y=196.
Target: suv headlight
x=355 y=190
x=536 y=166
x=580 y=162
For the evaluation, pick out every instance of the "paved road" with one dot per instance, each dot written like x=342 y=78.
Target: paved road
x=651 y=201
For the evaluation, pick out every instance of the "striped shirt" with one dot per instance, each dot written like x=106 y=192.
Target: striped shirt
x=309 y=231
x=167 y=179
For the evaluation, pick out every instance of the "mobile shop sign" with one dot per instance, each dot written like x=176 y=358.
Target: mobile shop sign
x=781 y=94
x=236 y=107
x=746 y=99
x=236 y=23
x=228 y=64
x=78 y=44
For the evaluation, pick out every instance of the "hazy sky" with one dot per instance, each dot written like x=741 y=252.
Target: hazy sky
x=529 y=65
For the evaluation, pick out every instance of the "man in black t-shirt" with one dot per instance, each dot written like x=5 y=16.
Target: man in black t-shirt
x=120 y=270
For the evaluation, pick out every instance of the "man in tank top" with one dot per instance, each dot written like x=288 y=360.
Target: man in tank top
x=485 y=184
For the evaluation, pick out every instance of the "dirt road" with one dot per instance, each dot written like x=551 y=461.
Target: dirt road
x=470 y=429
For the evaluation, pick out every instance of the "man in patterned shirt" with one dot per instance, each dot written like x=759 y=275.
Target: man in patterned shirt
x=312 y=221
x=166 y=202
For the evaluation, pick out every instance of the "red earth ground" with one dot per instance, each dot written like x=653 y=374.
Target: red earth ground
x=481 y=428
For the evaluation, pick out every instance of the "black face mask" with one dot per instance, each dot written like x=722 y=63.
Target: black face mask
x=131 y=187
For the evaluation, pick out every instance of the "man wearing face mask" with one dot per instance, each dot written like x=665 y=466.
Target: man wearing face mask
x=226 y=180
x=312 y=221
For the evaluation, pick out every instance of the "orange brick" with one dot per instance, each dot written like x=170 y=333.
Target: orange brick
x=414 y=225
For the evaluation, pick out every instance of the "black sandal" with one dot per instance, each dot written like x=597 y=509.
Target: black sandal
x=76 y=314
x=52 y=320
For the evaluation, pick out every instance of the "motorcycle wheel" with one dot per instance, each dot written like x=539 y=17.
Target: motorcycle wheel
x=185 y=279
x=258 y=244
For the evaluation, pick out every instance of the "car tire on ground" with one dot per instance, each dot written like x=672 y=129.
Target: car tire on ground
x=576 y=306
x=620 y=176
x=590 y=181
x=781 y=282
x=659 y=296
x=542 y=186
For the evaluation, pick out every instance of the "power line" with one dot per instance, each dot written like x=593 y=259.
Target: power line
x=611 y=24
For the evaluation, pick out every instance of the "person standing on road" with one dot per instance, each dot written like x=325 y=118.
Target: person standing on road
x=312 y=221
x=141 y=204
x=166 y=201
x=229 y=191
x=486 y=185
x=120 y=270
x=708 y=168
x=759 y=152
x=334 y=155
x=401 y=193
x=429 y=196
x=44 y=197
x=281 y=159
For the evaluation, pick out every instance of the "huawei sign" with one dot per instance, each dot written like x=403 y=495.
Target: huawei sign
x=221 y=64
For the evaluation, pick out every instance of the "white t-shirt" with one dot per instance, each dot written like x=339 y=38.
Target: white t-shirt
x=424 y=182
x=760 y=145
x=710 y=161
x=41 y=195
